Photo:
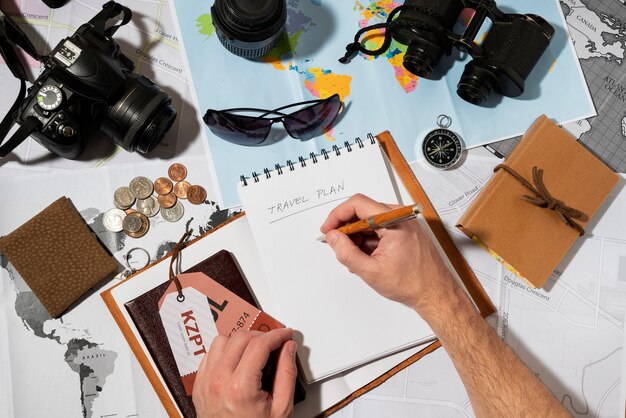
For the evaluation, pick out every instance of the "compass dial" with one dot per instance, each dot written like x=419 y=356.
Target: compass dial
x=442 y=148
x=49 y=97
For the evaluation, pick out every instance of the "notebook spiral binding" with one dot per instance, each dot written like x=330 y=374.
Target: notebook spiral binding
x=313 y=159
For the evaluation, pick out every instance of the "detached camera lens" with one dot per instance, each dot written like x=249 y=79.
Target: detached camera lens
x=249 y=28
x=140 y=117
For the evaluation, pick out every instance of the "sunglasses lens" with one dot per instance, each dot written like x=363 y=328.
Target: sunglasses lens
x=312 y=121
x=241 y=130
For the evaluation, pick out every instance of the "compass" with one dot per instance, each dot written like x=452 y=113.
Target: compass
x=442 y=148
x=49 y=97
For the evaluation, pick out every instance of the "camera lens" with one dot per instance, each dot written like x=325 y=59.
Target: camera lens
x=141 y=115
x=249 y=28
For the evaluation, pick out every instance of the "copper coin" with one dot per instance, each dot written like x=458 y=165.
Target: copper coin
x=163 y=185
x=181 y=188
x=177 y=172
x=196 y=194
x=129 y=211
x=167 y=200
x=136 y=225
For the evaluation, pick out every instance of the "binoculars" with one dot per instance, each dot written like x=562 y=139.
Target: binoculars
x=502 y=62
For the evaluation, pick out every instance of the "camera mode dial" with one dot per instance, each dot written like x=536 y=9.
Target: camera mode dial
x=49 y=97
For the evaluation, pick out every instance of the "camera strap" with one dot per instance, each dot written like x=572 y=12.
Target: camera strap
x=110 y=10
x=11 y=35
x=30 y=124
x=26 y=128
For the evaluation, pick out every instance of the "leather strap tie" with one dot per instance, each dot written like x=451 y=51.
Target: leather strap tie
x=544 y=199
x=178 y=247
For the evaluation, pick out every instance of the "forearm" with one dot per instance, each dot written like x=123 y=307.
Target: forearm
x=498 y=383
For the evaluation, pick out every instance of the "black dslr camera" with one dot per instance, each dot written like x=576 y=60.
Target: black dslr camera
x=502 y=62
x=87 y=80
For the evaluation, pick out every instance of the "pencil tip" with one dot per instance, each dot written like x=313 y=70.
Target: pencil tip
x=321 y=238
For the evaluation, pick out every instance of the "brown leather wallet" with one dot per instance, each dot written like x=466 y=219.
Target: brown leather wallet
x=58 y=256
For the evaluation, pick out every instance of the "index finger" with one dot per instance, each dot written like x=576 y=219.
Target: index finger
x=258 y=351
x=359 y=206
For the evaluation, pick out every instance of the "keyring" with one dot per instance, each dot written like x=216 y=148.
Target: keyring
x=128 y=256
x=444 y=121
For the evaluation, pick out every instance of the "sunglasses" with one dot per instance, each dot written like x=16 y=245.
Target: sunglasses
x=303 y=124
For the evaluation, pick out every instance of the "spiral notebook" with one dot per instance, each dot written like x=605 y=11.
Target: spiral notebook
x=340 y=321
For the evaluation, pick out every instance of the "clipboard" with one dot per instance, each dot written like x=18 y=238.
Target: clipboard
x=416 y=193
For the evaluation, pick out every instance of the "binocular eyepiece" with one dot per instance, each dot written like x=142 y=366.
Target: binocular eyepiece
x=509 y=52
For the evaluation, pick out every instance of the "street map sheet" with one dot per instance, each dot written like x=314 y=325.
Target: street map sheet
x=80 y=365
x=570 y=334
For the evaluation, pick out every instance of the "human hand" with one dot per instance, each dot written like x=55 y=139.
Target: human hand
x=401 y=262
x=228 y=383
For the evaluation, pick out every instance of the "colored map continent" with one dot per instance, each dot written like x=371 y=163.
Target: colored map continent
x=204 y=23
x=377 y=12
x=324 y=83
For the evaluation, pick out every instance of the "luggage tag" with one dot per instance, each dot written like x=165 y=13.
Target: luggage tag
x=199 y=310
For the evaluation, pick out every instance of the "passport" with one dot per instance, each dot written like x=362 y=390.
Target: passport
x=144 y=311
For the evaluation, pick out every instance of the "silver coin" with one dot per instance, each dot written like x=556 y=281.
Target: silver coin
x=141 y=187
x=113 y=219
x=131 y=223
x=149 y=206
x=123 y=198
x=174 y=213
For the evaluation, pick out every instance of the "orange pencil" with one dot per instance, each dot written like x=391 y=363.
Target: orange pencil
x=382 y=220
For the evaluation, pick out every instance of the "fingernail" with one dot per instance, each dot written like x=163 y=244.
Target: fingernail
x=331 y=238
x=291 y=348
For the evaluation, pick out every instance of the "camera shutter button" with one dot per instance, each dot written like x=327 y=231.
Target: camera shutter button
x=66 y=130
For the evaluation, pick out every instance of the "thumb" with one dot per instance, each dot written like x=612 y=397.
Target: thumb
x=347 y=252
x=285 y=381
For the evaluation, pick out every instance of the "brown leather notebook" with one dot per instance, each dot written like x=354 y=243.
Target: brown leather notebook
x=144 y=311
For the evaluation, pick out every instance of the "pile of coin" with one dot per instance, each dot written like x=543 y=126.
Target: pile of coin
x=135 y=222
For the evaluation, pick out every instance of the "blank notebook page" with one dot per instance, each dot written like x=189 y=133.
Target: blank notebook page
x=340 y=322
